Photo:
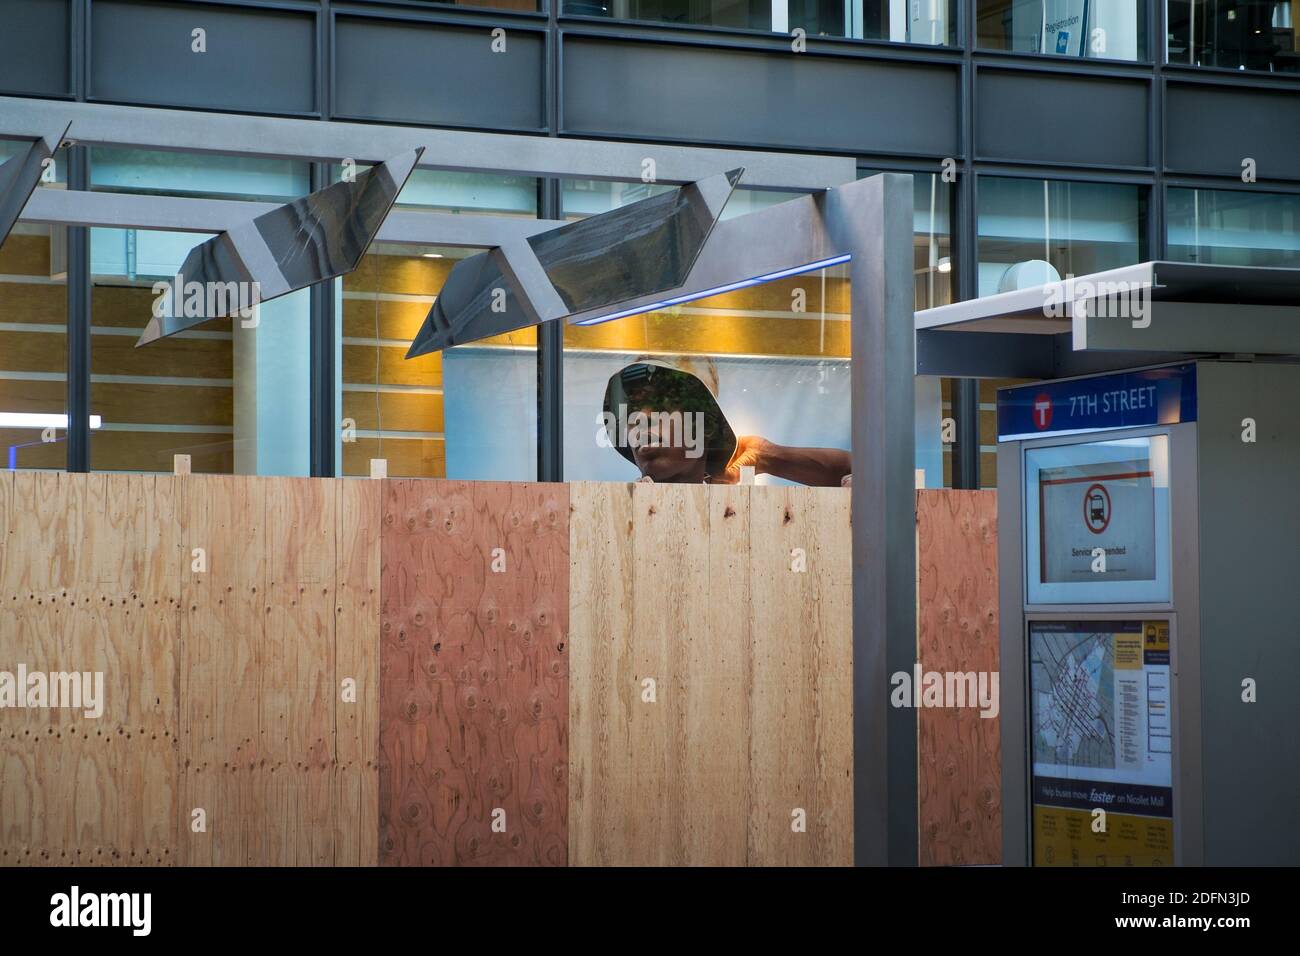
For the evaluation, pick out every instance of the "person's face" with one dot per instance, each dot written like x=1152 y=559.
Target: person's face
x=664 y=457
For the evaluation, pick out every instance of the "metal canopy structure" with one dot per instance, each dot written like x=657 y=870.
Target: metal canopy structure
x=1137 y=315
x=20 y=174
x=868 y=225
x=317 y=237
x=643 y=248
x=103 y=124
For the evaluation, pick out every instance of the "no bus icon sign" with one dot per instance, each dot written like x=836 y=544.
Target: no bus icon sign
x=1096 y=508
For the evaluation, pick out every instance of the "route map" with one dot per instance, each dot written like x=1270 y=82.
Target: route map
x=1073 y=682
x=1102 y=740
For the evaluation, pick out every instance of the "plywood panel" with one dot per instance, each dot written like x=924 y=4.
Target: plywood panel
x=78 y=788
x=692 y=585
x=959 y=782
x=221 y=686
x=358 y=515
x=474 y=674
x=801 y=746
x=602 y=690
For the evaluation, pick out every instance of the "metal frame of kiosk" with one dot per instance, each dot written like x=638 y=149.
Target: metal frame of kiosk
x=1232 y=564
x=1180 y=610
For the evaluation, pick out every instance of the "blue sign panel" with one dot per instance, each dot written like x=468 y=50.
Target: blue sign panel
x=1153 y=396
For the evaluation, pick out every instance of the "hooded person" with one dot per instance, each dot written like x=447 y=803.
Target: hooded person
x=662 y=414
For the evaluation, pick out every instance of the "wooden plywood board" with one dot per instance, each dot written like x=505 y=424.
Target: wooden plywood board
x=692 y=586
x=474 y=674
x=94 y=784
x=801 y=742
x=959 y=781
x=356 y=653
x=221 y=686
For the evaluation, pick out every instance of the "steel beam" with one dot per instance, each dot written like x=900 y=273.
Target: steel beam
x=180 y=214
x=101 y=124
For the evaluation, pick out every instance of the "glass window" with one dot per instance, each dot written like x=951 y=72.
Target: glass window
x=1097 y=29
x=526 y=5
x=477 y=193
x=233 y=394
x=1033 y=231
x=468 y=412
x=34 y=348
x=759 y=374
x=931 y=22
x=34 y=335
x=988 y=419
x=934 y=268
x=1235 y=34
x=1233 y=227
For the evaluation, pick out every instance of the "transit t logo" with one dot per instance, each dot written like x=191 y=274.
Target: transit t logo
x=1042 y=411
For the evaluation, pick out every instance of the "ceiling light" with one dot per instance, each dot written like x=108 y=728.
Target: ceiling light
x=35 y=420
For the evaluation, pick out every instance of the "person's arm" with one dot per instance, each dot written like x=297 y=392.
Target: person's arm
x=825 y=467
x=808 y=466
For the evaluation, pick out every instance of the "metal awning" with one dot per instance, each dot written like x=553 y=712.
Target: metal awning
x=1137 y=315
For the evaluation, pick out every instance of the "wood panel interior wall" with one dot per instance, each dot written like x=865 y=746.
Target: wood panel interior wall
x=695 y=588
x=474 y=674
x=960 y=768
x=223 y=686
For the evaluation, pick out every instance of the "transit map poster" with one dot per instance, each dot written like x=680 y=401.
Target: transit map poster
x=1101 y=734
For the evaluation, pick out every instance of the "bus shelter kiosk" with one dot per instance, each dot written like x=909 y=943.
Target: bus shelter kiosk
x=1149 y=552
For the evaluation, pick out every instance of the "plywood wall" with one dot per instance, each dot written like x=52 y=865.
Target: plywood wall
x=960 y=769
x=361 y=672
x=474 y=674
x=222 y=685
x=710 y=700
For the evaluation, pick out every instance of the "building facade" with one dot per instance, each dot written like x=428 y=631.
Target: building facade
x=1045 y=137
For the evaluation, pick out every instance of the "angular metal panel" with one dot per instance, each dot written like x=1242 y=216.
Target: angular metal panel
x=19 y=176
x=640 y=249
x=318 y=237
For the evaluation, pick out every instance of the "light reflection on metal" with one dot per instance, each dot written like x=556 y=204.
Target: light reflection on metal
x=718 y=290
x=640 y=249
x=317 y=237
